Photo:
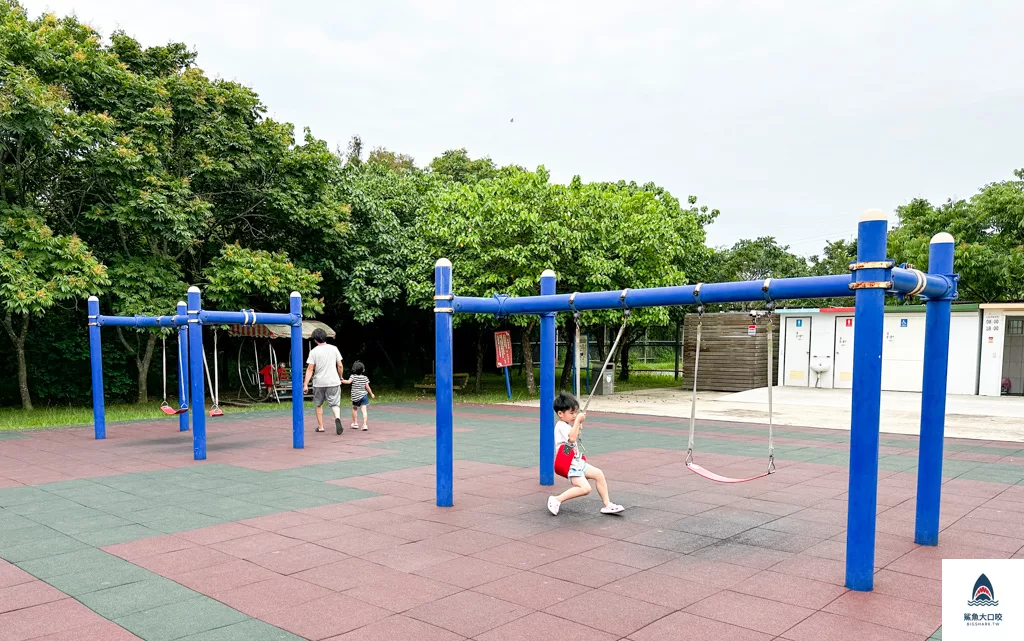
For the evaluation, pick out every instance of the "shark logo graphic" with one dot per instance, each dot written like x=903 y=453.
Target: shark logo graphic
x=983 y=593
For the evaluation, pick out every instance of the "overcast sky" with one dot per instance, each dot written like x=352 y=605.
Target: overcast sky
x=789 y=117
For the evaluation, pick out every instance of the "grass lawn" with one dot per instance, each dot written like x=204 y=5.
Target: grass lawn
x=492 y=391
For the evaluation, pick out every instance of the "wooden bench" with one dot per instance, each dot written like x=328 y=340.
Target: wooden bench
x=459 y=382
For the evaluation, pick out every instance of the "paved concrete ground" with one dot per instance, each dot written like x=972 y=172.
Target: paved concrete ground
x=129 y=538
x=977 y=417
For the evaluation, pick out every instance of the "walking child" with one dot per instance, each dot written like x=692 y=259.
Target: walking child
x=567 y=430
x=361 y=393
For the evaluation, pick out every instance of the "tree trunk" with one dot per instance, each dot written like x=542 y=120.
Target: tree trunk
x=601 y=354
x=144 y=364
x=479 y=358
x=531 y=385
x=627 y=342
x=569 y=329
x=19 y=351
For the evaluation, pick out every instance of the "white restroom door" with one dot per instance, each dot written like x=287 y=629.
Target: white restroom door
x=797 y=359
x=843 y=361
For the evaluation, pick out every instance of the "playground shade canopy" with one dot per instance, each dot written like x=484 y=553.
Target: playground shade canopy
x=278 y=330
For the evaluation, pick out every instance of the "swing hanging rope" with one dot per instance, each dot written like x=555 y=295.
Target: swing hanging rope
x=607 y=361
x=214 y=395
x=702 y=471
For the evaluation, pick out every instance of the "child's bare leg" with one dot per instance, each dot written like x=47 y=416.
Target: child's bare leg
x=364 y=415
x=597 y=476
x=355 y=415
x=580 y=487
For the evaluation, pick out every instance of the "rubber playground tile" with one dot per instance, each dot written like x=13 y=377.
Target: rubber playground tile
x=259 y=599
x=76 y=584
x=466 y=572
x=253 y=545
x=909 y=587
x=61 y=544
x=250 y=630
x=119 y=601
x=739 y=554
x=716 y=574
x=464 y=541
x=672 y=540
x=64 y=615
x=115 y=535
x=89 y=559
x=751 y=612
x=322 y=530
x=411 y=556
x=785 y=588
x=470 y=613
x=822 y=625
x=519 y=555
x=660 y=589
x=326 y=617
x=681 y=626
x=209 y=535
x=224 y=576
x=281 y=521
x=105 y=631
x=26 y=595
x=172 y=564
x=634 y=555
x=608 y=611
x=297 y=558
x=890 y=611
x=591 y=573
x=398 y=627
x=539 y=625
x=347 y=574
x=718 y=528
x=180 y=619
x=400 y=592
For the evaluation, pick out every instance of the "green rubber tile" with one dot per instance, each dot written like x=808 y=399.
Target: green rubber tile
x=89 y=559
x=34 y=534
x=206 y=483
x=122 y=600
x=83 y=582
x=334 y=493
x=10 y=521
x=78 y=522
x=180 y=619
x=937 y=636
x=11 y=496
x=117 y=534
x=162 y=512
x=183 y=524
x=61 y=544
x=236 y=488
x=251 y=630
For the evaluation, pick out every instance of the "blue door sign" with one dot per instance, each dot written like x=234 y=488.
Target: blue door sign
x=799 y=322
x=903 y=322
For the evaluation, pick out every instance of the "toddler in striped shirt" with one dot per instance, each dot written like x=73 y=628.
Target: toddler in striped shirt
x=361 y=393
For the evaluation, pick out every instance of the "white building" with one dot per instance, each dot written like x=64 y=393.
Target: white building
x=1002 y=349
x=816 y=349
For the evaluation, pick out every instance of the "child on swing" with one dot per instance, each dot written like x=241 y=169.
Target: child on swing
x=567 y=430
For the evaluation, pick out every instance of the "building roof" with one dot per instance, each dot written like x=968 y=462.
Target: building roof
x=889 y=309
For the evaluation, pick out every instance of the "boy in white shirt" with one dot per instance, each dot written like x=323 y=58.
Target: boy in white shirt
x=568 y=410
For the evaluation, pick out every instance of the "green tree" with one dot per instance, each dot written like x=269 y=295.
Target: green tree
x=159 y=168
x=456 y=165
x=989 y=233
x=38 y=269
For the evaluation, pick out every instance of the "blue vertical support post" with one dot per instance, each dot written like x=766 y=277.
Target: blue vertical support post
x=933 y=396
x=872 y=277
x=182 y=310
x=196 y=372
x=99 y=418
x=443 y=314
x=298 y=417
x=547 y=384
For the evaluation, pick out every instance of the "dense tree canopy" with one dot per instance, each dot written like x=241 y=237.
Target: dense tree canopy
x=129 y=172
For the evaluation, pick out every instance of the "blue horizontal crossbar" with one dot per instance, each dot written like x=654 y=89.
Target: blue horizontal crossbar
x=142 y=321
x=248 y=318
x=905 y=281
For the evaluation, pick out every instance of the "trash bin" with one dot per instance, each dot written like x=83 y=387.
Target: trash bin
x=606 y=385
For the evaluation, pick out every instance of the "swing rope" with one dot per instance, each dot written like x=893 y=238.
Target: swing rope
x=770 y=308
x=214 y=395
x=607 y=361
